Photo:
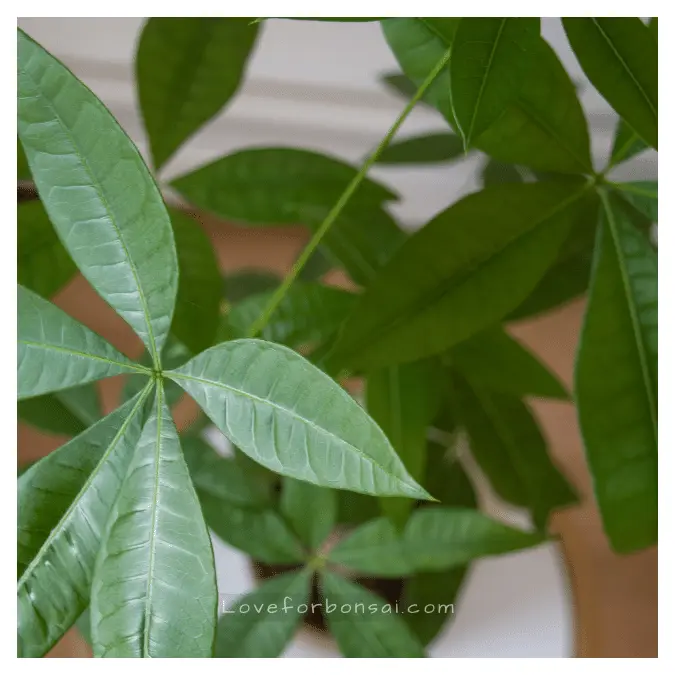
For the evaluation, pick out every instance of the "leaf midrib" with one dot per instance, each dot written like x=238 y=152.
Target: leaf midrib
x=174 y=375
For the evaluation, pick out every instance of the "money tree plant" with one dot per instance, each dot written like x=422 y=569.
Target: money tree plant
x=331 y=493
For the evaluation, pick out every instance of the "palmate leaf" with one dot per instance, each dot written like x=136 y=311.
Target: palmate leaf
x=370 y=628
x=63 y=506
x=43 y=265
x=643 y=195
x=499 y=362
x=439 y=537
x=404 y=400
x=56 y=352
x=84 y=165
x=620 y=57
x=616 y=381
x=154 y=587
x=311 y=510
x=292 y=418
x=507 y=443
x=446 y=282
x=489 y=61
x=187 y=69
x=544 y=128
x=257 y=625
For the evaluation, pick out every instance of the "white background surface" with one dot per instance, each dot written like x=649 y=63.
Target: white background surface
x=315 y=85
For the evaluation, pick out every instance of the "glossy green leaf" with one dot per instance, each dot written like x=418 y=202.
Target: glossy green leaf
x=373 y=549
x=67 y=412
x=544 y=128
x=643 y=195
x=56 y=352
x=258 y=531
x=187 y=69
x=154 y=587
x=292 y=418
x=620 y=57
x=439 y=537
x=490 y=59
x=42 y=264
x=446 y=282
x=500 y=363
x=495 y=172
x=308 y=314
x=616 y=382
x=404 y=400
x=369 y=628
x=309 y=509
x=22 y=168
x=425 y=149
x=197 y=313
x=511 y=450
x=83 y=165
x=64 y=501
x=263 y=622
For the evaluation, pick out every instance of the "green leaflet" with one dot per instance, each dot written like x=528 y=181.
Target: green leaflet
x=292 y=418
x=495 y=172
x=616 y=381
x=626 y=144
x=258 y=531
x=373 y=549
x=257 y=625
x=508 y=445
x=311 y=510
x=490 y=59
x=22 y=168
x=355 y=508
x=544 y=128
x=498 y=362
x=643 y=195
x=439 y=537
x=285 y=186
x=63 y=506
x=187 y=69
x=403 y=86
x=404 y=400
x=197 y=312
x=56 y=352
x=43 y=265
x=69 y=411
x=426 y=149
x=83 y=165
x=241 y=285
x=369 y=628
x=620 y=57
x=155 y=557
x=308 y=314
x=446 y=282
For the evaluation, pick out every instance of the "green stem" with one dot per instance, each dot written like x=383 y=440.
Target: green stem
x=332 y=216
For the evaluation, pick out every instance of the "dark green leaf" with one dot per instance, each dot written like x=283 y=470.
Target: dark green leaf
x=292 y=418
x=446 y=282
x=355 y=508
x=154 y=587
x=262 y=623
x=373 y=549
x=310 y=510
x=627 y=144
x=22 y=168
x=56 y=352
x=507 y=443
x=643 y=195
x=500 y=363
x=43 y=265
x=64 y=501
x=439 y=537
x=84 y=165
x=187 y=69
x=401 y=84
x=495 y=172
x=426 y=149
x=316 y=267
x=197 y=313
x=369 y=628
x=489 y=62
x=308 y=314
x=446 y=477
x=616 y=381
x=404 y=400
x=620 y=57
x=241 y=285
x=339 y=18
